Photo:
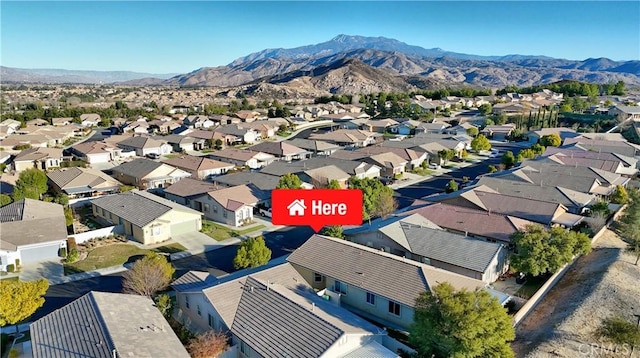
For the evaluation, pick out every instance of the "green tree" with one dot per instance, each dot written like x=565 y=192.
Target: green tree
x=485 y=109
x=289 y=181
x=252 y=252
x=538 y=149
x=492 y=169
x=333 y=184
x=31 y=184
x=472 y=131
x=68 y=216
x=620 y=196
x=20 y=299
x=551 y=140
x=480 y=143
x=446 y=154
x=539 y=250
x=508 y=159
x=600 y=208
x=333 y=231
x=450 y=323
x=619 y=89
x=385 y=204
x=149 y=275
x=218 y=144
x=5 y=200
x=527 y=153
x=163 y=302
x=452 y=186
x=372 y=192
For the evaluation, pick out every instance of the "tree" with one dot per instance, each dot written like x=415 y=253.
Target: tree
x=68 y=216
x=446 y=154
x=508 y=159
x=333 y=184
x=373 y=192
x=386 y=204
x=600 y=208
x=218 y=144
x=527 y=153
x=485 y=109
x=452 y=186
x=252 y=252
x=289 y=181
x=480 y=143
x=551 y=140
x=126 y=188
x=31 y=183
x=5 y=200
x=148 y=275
x=333 y=231
x=210 y=344
x=620 y=196
x=539 y=250
x=20 y=299
x=472 y=131
x=164 y=305
x=538 y=149
x=492 y=169
x=449 y=323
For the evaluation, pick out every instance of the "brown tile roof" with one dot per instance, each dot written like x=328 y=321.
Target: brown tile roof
x=243 y=194
x=93 y=147
x=187 y=187
x=190 y=162
x=38 y=153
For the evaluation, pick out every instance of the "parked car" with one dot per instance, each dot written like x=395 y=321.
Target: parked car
x=434 y=166
x=265 y=212
x=153 y=156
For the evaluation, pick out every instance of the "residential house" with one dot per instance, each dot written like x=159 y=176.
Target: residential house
x=96 y=152
x=358 y=169
x=509 y=108
x=475 y=223
x=266 y=129
x=105 y=325
x=148 y=174
x=281 y=150
x=138 y=127
x=61 y=121
x=460 y=129
x=144 y=145
x=604 y=146
x=347 y=137
x=90 y=120
x=498 y=132
x=409 y=237
x=183 y=143
x=243 y=157
x=78 y=182
x=367 y=282
x=261 y=309
x=162 y=126
x=202 y=168
x=247 y=115
x=198 y=121
x=245 y=135
x=489 y=200
x=431 y=127
x=187 y=189
x=31 y=231
x=564 y=133
x=264 y=182
x=320 y=177
x=379 y=125
x=316 y=147
x=206 y=138
x=41 y=158
x=391 y=164
x=623 y=113
x=232 y=206
x=8 y=127
x=146 y=217
x=413 y=158
x=610 y=162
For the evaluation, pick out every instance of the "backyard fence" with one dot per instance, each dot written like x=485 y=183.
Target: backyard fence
x=105 y=231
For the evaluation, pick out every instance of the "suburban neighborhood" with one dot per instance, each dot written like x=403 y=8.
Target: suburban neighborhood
x=170 y=215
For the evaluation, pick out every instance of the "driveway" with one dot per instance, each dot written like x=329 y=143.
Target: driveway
x=51 y=270
x=197 y=242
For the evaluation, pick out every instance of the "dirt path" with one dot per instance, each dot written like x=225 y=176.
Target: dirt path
x=600 y=284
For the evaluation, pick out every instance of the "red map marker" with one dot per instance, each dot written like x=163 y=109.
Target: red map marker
x=316 y=207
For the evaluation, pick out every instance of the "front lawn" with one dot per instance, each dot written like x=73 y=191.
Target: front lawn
x=220 y=233
x=115 y=255
x=423 y=171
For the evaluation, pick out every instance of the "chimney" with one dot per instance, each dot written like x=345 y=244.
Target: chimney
x=251 y=289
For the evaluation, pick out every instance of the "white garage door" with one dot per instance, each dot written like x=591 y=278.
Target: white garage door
x=184 y=227
x=41 y=253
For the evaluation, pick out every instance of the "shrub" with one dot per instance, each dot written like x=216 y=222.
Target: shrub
x=11 y=268
x=18 y=263
x=13 y=353
x=620 y=331
x=63 y=252
x=73 y=256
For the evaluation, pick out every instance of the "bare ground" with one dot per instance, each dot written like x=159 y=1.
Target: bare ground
x=599 y=285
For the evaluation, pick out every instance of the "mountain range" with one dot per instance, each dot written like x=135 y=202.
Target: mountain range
x=357 y=64
x=9 y=74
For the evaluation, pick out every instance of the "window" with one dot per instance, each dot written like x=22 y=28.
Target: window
x=206 y=208
x=244 y=349
x=156 y=231
x=340 y=287
x=120 y=221
x=215 y=208
x=394 y=308
x=317 y=277
x=426 y=261
x=224 y=213
x=186 y=301
x=198 y=309
x=371 y=298
x=212 y=321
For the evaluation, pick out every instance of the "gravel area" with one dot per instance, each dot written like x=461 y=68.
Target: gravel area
x=602 y=284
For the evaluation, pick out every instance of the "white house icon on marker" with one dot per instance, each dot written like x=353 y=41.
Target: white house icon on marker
x=296 y=208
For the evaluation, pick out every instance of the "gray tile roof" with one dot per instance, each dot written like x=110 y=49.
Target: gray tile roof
x=274 y=327
x=29 y=221
x=138 y=168
x=279 y=149
x=77 y=180
x=348 y=166
x=313 y=145
x=384 y=274
x=451 y=248
x=187 y=187
x=140 y=142
x=261 y=181
x=193 y=281
x=98 y=322
x=138 y=207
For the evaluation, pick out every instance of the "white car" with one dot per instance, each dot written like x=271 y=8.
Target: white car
x=434 y=166
x=493 y=155
x=265 y=212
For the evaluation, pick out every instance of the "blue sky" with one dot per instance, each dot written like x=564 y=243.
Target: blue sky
x=166 y=37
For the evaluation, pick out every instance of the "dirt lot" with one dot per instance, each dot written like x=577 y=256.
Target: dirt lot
x=600 y=285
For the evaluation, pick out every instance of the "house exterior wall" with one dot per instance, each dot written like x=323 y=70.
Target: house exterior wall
x=7 y=258
x=23 y=165
x=349 y=342
x=212 y=210
x=97 y=158
x=356 y=299
x=176 y=199
x=198 y=323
